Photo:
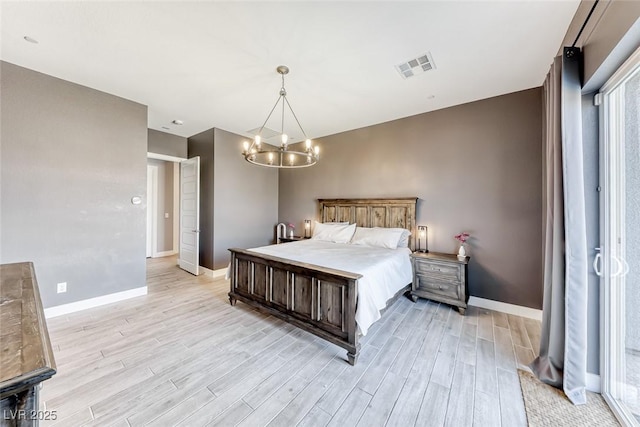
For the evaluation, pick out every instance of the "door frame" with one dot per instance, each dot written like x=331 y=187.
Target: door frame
x=152 y=206
x=176 y=203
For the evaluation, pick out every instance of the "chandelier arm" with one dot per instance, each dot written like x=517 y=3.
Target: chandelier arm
x=294 y=116
x=285 y=98
x=270 y=113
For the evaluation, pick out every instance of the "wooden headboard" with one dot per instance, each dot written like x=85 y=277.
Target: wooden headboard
x=387 y=213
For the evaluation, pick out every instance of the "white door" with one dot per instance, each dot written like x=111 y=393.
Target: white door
x=152 y=209
x=190 y=215
x=620 y=240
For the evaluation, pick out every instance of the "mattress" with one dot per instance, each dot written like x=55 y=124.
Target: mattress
x=384 y=271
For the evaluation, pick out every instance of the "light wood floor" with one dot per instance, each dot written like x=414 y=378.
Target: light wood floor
x=183 y=356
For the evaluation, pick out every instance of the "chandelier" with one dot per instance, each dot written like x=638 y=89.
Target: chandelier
x=261 y=153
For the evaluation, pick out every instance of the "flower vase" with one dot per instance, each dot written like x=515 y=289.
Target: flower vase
x=291 y=234
x=462 y=253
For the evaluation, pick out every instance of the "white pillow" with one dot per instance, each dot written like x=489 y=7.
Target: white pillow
x=337 y=233
x=378 y=237
x=404 y=238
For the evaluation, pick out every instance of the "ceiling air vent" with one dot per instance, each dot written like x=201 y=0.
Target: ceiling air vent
x=416 y=66
x=265 y=134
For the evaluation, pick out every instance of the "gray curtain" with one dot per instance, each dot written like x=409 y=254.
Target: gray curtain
x=562 y=361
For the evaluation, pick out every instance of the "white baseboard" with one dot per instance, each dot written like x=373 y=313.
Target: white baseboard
x=163 y=254
x=221 y=272
x=504 y=307
x=60 y=310
x=593 y=383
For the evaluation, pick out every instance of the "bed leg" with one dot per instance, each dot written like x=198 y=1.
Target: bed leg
x=461 y=310
x=353 y=358
x=232 y=300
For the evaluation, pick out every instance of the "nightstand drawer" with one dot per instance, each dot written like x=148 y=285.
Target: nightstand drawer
x=438 y=269
x=439 y=287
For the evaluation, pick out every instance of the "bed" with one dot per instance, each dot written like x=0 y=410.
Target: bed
x=285 y=280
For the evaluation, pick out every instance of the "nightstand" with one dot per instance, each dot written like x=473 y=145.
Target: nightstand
x=292 y=239
x=440 y=277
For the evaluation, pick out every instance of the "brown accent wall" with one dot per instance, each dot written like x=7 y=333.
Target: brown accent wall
x=475 y=167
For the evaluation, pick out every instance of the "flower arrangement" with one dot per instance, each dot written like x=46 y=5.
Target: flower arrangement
x=462 y=237
x=292 y=226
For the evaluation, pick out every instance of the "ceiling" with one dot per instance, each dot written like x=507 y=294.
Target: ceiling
x=212 y=64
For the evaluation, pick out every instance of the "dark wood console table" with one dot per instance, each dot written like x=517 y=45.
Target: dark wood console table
x=26 y=356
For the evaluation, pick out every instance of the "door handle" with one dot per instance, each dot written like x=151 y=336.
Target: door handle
x=597 y=263
x=622 y=267
x=196 y=231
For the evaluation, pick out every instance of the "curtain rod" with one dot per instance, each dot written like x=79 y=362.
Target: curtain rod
x=584 y=24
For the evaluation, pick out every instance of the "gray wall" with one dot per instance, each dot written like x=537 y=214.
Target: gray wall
x=166 y=143
x=238 y=201
x=72 y=158
x=164 y=239
x=475 y=167
x=245 y=197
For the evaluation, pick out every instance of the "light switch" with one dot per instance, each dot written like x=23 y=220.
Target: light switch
x=166 y=215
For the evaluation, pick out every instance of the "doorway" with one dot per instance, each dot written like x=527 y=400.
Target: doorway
x=163 y=190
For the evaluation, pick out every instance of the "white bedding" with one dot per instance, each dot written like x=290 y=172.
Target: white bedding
x=384 y=271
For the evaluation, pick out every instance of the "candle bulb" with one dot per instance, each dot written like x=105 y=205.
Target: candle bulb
x=422 y=238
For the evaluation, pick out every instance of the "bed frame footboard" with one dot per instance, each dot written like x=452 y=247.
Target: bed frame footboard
x=317 y=299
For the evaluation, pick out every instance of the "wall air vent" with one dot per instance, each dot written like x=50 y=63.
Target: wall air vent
x=416 y=66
